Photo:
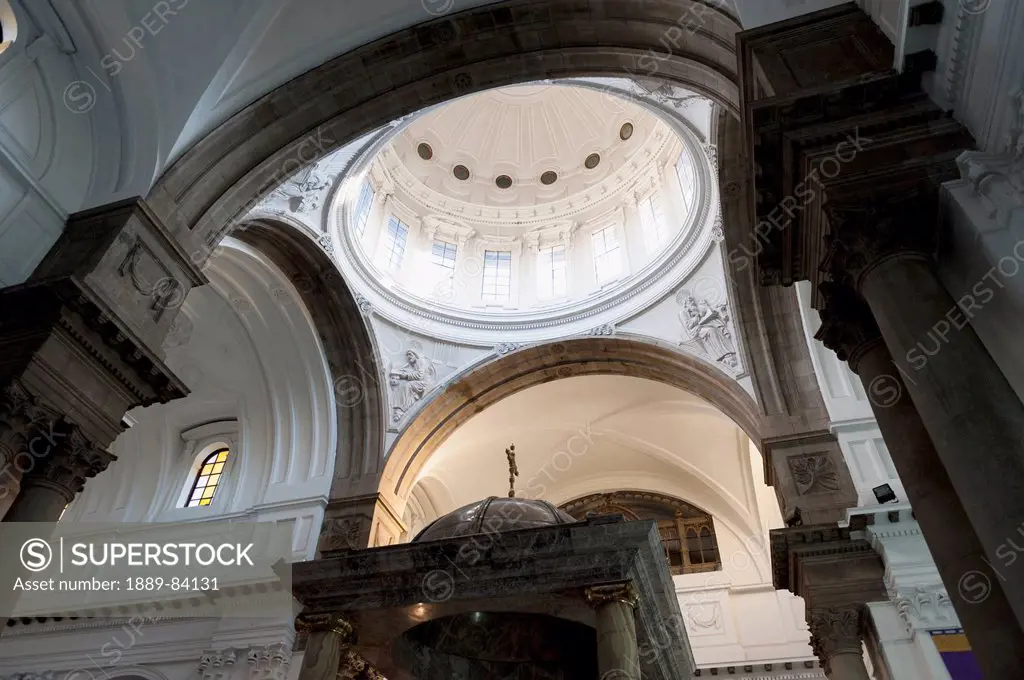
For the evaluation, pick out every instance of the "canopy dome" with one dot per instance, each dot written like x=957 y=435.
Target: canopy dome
x=494 y=515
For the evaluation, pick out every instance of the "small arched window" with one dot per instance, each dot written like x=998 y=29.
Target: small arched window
x=207 y=479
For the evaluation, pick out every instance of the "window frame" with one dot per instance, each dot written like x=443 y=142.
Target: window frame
x=390 y=242
x=548 y=276
x=363 y=207
x=655 y=231
x=199 y=475
x=611 y=229
x=493 y=297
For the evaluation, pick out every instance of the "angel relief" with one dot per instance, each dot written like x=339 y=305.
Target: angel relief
x=410 y=382
x=706 y=327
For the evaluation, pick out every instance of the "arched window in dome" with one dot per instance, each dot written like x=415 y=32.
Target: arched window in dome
x=393 y=246
x=607 y=259
x=551 y=281
x=363 y=205
x=207 y=479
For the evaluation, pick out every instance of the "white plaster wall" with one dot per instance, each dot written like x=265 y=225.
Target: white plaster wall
x=46 y=149
x=248 y=350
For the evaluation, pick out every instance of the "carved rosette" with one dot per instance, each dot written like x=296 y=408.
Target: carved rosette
x=847 y=326
x=863 y=234
x=834 y=631
x=65 y=459
x=598 y=596
x=343 y=533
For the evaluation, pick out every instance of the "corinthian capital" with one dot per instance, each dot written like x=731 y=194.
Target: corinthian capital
x=835 y=630
x=64 y=458
x=847 y=326
x=863 y=233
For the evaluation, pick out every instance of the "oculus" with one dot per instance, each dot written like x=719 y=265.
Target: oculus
x=592 y=161
x=424 y=151
x=626 y=131
x=549 y=177
x=503 y=181
x=461 y=172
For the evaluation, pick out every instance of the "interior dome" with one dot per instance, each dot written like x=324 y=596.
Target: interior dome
x=525 y=208
x=494 y=515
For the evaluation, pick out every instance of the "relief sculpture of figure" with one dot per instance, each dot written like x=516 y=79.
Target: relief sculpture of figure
x=410 y=382
x=709 y=326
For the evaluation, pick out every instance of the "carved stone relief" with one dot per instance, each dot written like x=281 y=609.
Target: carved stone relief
x=706 y=328
x=814 y=473
x=410 y=377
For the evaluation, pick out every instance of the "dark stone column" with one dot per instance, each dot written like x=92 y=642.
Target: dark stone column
x=329 y=634
x=972 y=415
x=836 y=636
x=618 y=656
x=80 y=345
x=849 y=329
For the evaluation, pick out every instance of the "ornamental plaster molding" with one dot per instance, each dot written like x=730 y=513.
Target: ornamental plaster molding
x=925 y=607
x=634 y=175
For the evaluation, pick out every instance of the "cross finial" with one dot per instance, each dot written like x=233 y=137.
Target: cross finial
x=513 y=471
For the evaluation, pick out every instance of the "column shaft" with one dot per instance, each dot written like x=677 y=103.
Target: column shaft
x=618 y=656
x=973 y=417
x=848 y=667
x=974 y=590
x=327 y=639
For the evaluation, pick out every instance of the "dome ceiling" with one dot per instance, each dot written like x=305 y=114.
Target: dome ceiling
x=525 y=144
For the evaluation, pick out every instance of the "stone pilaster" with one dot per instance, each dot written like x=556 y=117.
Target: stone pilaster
x=358 y=522
x=810 y=476
x=836 y=636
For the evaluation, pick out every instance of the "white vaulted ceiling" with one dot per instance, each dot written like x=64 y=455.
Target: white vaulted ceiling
x=208 y=60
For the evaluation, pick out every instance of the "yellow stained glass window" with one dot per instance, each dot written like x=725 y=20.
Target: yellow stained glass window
x=207 y=479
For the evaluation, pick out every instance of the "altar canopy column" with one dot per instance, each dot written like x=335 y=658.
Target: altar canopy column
x=985 y=614
x=329 y=634
x=618 y=656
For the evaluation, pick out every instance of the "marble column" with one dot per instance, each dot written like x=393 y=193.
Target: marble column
x=980 y=603
x=972 y=415
x=836 y=634
x=329 y=634
x=618 y=657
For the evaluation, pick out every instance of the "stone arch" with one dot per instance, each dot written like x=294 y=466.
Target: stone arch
x=483 y=385
x=688 y=42
x=348 y=344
